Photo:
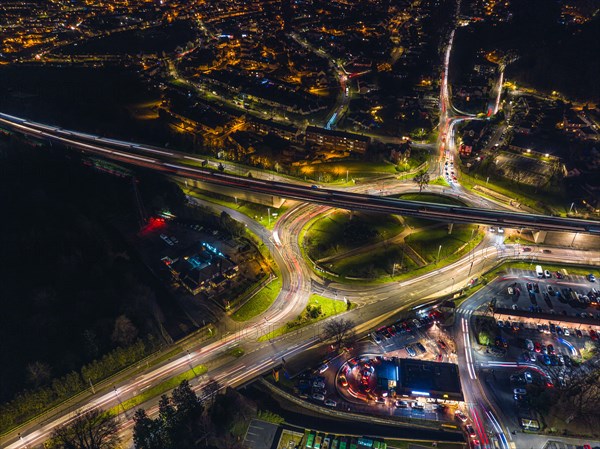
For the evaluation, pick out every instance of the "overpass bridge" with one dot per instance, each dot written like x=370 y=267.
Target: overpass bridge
x=174 y=163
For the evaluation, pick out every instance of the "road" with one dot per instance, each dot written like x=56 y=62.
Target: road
x=492 y=426
x=163 y=161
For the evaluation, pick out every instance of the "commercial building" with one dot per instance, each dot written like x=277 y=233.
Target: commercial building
x=418 y=378
x=201 y=268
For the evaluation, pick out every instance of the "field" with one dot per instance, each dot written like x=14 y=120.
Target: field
x=342 y=231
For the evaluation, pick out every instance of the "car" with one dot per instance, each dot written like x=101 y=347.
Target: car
x=324 y=367
x=519 y=397
x=593 y=334
x=559 y=275
x=500 y=323
x=531 y=357
x=380 y=400
x=552 y=328
x=547 y=274
x=401 y=404
x=536 y=287
x=392 y=331
x=537 y=346
x=526 y=249
x=470 y=431
x=551 y=291
x=529 y=345
x=587 y=446
x=547 y=251
x=510 y=290
x=330 y=403
x=591 y=277
x=519 y=391
x=528 y=377
x=420 y=347
x=460 y=416
x=540 y=328
x=578 y=333
x=546 y=360
x=551 y=349
x=318 y=397
x=566 y=331
x=561 y=359
x=417 y=406
x=411 y=351
x=318 y=384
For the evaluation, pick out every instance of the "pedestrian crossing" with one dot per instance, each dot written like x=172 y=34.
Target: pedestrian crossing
x=466 y=312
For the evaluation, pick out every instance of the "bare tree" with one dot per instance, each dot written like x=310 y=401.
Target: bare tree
x=210 y=390
x=124 y=332
x=421 y=179
x=341 y=331
x=95 y=429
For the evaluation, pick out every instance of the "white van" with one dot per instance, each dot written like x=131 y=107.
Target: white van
x=539 y=271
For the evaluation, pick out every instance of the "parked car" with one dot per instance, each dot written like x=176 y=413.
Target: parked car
x=470 y=431
x=591 y=277
x=411 y=351
x=318 y=397
x=460 y=416
x=330 y=403
x=401 y=404
x=547 y=274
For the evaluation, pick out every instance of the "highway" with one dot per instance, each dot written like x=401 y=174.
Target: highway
x=165 y=161
x=375 y=303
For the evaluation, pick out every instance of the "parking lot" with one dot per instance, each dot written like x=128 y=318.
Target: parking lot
x=347 y=382
x=565 y=295
x=543 y=327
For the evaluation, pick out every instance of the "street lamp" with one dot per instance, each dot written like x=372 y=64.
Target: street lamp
x=438 y=254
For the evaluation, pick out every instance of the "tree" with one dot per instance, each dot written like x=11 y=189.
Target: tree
x=210 y=390
x=421 y=179
x=146 y=432
x=185 y=400
x=341 y=331
x=38 y=373
x=124 y=332
x=95 y=429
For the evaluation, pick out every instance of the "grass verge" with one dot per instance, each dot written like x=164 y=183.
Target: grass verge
x=260 y=302
x=157 y=390
x=329 y=307
x=257 y=212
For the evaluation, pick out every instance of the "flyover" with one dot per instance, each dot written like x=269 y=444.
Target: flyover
x=173 y=163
